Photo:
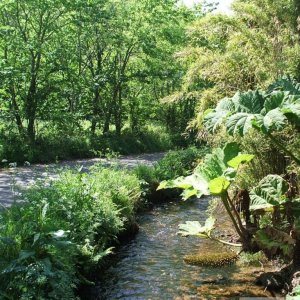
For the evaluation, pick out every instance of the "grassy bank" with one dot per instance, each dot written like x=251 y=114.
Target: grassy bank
x=49 y=244
x=53 y=145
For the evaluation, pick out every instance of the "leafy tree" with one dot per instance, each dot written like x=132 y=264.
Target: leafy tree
x=246 y=50
x=30 y=39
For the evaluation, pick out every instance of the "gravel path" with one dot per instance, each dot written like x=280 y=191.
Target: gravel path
x=22 y=177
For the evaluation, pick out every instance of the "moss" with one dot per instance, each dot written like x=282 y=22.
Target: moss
x=211 y=259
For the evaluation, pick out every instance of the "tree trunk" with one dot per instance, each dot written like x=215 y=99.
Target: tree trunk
x=16 y=113
x=31 y=129
x=118 y=113
x=95 y=110
x=107 y=120
x=31 y=110
x=296 y=255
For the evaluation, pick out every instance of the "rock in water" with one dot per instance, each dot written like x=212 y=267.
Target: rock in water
x=273 y=281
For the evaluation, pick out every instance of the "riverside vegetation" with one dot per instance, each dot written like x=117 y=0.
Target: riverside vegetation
x=57 y=239
x=266 y=217
x=80 y=77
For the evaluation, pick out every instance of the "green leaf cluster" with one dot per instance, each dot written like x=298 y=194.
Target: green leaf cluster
x=213 y=176
x=266 y=111
x=271 y=192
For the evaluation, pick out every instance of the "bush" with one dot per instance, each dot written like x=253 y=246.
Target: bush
x=63 y=231
x=146 y=173
x=179 y=163
x=174 y=164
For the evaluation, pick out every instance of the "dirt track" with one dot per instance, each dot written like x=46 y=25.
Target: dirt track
x=22 y=177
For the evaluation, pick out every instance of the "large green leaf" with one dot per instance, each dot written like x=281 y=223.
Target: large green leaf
x=214 y=119
x=213 y=165
x=239 y=123
x=274 y=100
x=218 y=185
x=213 y=175
x=268 y=193
x=225 y=104
x=195 y=228
x=193 y=185
x=292 y=112
x=266 y=112
x=251 y=102
x=231 y=150
x=240 y=159
x=274 y=120
x=286 y=84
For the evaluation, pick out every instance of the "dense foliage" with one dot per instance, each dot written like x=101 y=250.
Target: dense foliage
x=61 y=233
x=267 y=217
x=84 y=78
x=76 y=71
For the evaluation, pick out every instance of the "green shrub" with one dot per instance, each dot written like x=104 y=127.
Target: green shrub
x=179 y=163
x=37 y=256
x=63 y=231
x=175 y=163
x=146 y=173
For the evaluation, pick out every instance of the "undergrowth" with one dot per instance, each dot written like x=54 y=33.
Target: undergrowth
x=50 y=244
x=175 y=163
x=59 y=235
x=52 y=145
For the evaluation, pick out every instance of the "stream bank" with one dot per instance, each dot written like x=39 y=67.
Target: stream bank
x=151 y=265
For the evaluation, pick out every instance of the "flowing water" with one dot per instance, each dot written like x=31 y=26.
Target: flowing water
x=151 y=265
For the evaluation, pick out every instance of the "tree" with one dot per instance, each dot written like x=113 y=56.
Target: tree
x=31 y=31
x=249 y=49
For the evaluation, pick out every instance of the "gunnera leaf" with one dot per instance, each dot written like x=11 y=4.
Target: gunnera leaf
x=218 y=185
x=195 y=228
x=268 y=193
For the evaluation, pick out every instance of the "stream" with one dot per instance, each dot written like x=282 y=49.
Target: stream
x=151 y=265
